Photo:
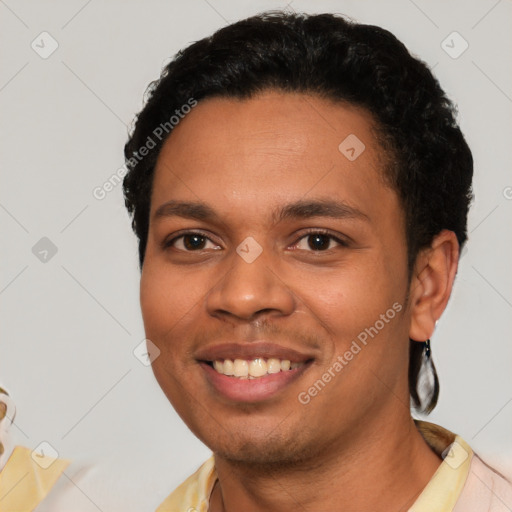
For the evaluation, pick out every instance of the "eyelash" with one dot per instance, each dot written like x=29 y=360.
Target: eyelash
x=314 y=231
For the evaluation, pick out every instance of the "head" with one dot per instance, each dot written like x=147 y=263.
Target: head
x=331 y=156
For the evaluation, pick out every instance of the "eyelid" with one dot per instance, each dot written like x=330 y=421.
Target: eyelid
x=341 y=240
x=179 y=234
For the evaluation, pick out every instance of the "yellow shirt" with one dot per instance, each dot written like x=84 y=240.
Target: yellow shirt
x=443 y=490
x=462 y=482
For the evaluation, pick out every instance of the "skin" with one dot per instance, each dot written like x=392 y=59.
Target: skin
x=354 y=446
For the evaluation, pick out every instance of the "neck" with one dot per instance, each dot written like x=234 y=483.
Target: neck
x=386 y=468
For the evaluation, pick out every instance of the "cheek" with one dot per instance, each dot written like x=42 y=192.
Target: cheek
x=168 y=293
x=361 y=302
x=167 y=304
x=154 y=301
x=167 y=299
x=351 y=294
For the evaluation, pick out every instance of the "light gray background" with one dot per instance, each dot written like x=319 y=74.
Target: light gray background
x=69 y=325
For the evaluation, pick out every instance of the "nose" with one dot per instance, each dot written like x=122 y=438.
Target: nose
x=250 y=290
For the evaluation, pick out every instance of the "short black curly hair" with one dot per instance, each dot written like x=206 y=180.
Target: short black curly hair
x=429 y=162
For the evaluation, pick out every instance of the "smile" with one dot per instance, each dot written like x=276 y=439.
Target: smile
x=269 y=377
x=253 y=368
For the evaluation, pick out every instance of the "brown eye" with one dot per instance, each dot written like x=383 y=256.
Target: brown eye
x=317 y=241
x=190 y=242
x=194 y=241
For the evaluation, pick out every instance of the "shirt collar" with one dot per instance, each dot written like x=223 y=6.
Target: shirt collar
x=440 y=494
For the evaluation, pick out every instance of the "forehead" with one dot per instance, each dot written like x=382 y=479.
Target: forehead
x=270 y=149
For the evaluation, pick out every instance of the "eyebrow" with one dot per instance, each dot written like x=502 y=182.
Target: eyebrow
x=302 y=209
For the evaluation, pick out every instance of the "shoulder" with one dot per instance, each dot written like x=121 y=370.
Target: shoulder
x=194 y=492
x=27 y=477
x=486 y=489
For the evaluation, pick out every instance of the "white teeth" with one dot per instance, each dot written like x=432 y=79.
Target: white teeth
x=257 y=367
x=273 y=365
x=229 y=367
x=254 y=368
x=241 y=368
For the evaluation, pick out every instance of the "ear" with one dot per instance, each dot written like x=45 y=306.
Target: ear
x=431 y=284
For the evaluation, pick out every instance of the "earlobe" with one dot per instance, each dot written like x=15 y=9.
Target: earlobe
x=432 y=283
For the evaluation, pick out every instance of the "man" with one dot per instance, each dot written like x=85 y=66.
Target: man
x=299 y=234
x=299 y=187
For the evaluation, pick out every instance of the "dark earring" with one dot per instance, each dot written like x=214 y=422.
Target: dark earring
x=426 y=349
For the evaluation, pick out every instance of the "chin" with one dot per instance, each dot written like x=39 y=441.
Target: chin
x=263 y=450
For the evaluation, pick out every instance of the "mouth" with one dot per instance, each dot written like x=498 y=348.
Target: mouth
x=256 y=368
x=246 y=388
x=251 y=372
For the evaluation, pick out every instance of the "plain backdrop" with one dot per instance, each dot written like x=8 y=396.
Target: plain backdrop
x=70 y=316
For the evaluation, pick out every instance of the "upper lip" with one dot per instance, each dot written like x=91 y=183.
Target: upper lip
x=250 y=351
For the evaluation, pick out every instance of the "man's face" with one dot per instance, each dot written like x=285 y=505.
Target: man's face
x=257 y=273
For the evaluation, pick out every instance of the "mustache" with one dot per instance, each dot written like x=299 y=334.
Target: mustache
x=260 y=329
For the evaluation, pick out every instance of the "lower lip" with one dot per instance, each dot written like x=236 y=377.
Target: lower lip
x=251 y=390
